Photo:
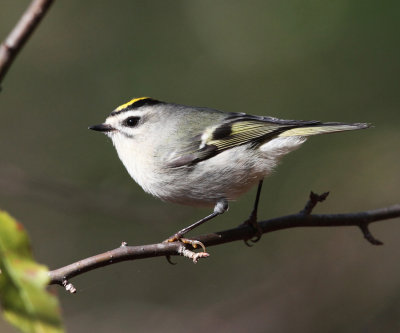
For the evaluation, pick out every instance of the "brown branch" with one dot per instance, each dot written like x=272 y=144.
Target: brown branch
x=243 y=232
x=21 y=33
x=313 y=200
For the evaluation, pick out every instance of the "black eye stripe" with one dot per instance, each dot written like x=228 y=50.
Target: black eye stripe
x=131 y=121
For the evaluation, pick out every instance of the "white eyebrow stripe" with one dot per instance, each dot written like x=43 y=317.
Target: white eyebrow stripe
x=127 y=113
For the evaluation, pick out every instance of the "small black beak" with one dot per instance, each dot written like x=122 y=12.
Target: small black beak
x=102 y=128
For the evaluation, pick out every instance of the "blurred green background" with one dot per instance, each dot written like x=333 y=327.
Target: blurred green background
x=325 y=60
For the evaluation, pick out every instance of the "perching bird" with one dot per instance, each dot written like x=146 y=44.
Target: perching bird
x=200 y=156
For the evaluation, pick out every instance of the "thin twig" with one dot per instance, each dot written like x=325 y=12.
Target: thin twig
x=242 y=232
x=313 y=200
x=21 y=33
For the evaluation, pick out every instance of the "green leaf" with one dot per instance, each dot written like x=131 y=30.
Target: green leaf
x=25 y=301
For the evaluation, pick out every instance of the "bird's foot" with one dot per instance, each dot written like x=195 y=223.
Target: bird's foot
x=195 y=256
x=194 y=243
x=252 y=222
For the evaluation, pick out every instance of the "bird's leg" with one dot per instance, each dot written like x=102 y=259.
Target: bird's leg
x=220 y=207
x=252 y=220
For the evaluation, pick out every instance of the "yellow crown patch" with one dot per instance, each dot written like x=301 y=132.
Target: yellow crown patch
x=132 y=101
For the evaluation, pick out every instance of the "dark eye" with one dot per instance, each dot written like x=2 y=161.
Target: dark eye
x=131 y=121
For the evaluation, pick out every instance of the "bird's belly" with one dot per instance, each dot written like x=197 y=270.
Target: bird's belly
x=227 y=175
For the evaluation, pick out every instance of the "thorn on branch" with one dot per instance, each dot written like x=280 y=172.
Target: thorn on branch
x=368 y=236
x=313 y=200
x=69 y=286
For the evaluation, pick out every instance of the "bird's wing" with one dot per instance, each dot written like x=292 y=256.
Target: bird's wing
x=235 y=130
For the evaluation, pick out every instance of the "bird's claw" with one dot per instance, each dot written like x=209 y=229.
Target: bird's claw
x=252 y=240
x=168 y=257
x=184 y=251
x=252 y=222
x=194 y=243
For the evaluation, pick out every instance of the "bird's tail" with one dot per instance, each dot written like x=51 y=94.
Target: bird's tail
x=322 y=128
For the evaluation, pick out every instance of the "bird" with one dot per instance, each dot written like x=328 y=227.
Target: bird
x=199 y=156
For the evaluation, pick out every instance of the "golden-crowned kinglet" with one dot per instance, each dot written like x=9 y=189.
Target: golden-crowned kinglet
x=200 y=156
